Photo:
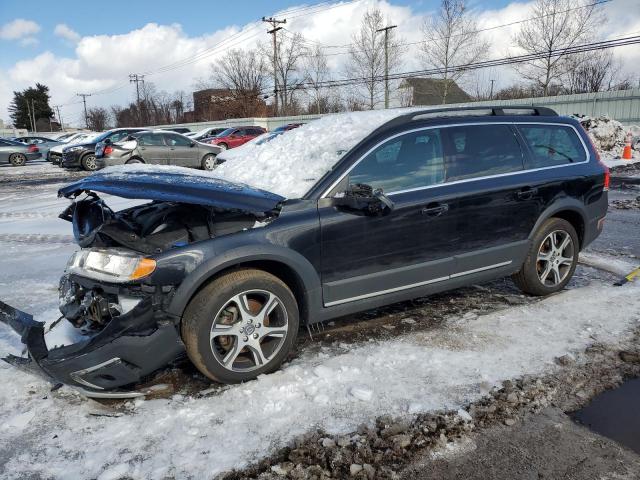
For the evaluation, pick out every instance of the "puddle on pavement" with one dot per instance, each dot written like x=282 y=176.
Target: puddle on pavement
x=615 y=414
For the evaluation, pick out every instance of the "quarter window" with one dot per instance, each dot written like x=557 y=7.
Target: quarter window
x=480 y=151
x=412 y=160
x=552 y=145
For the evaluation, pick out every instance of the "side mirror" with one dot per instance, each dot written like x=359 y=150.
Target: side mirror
x=192 y=144
x=107 y=141
x=362 y=199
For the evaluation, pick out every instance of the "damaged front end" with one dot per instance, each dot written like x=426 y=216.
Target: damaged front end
x=116 y=290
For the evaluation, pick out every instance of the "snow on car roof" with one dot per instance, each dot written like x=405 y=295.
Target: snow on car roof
x=292 y=163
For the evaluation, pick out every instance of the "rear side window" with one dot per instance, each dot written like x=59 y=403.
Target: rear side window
x=552 y=145
x=412 y=160
x=481 y=150
x=150 y=139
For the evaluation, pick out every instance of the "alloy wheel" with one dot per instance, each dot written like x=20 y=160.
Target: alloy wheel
x=555 y=258
x=90 y=163
x=249 y=330
x=209 y=162
x=18 y=159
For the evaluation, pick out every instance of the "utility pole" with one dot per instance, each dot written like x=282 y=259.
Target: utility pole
x=137 y=79
x=491 y=94
x=274 y=24
x=57 y=107
x=33 y=113
x=29 y=114
x=386 y=62
x=84 y=100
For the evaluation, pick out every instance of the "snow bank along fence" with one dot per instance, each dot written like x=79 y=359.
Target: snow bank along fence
x=621 y=105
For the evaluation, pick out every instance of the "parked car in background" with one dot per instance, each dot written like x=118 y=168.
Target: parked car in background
x=236 y=136
x=206 y=133
x=83 y=155
x=54 y=155
x=288 y=126
x=17 y=153
x=43 y=143
x=181 y=130
x=160 y=148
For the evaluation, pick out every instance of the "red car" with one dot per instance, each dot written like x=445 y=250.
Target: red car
x=236 y=136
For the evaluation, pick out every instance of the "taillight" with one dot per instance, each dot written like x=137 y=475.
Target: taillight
x=32 y=149
x=108 y=150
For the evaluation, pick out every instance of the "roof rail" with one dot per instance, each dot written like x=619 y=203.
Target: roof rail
x=483 y=111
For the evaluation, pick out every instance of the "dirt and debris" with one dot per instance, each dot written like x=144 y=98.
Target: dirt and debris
x=386 y=449
x=626 y=204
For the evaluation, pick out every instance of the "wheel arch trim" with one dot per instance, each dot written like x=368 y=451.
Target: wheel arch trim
x=571 y=205
x=307 y=291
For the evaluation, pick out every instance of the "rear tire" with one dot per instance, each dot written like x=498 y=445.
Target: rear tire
x=89 y=163
x=223 y=146
x=133 y=161
x=551 y=260
x=17 y=159
x=240 y=325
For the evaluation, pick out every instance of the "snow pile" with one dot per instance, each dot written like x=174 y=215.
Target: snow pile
x=334 y=388
x=607 y=134
x=291 y=163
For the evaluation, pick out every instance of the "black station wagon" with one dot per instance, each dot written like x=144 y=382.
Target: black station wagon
x=429 y=201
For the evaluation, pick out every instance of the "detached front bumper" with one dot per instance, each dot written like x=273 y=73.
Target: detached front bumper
x=129 y=348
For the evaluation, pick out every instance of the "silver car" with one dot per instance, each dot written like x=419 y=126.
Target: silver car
x=17 y=153
x=43 y=143
x=160 y=148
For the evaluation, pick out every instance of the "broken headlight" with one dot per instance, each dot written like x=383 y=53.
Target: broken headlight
x=110 y=265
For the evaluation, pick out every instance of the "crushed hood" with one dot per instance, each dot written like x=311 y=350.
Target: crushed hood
x=174 y=185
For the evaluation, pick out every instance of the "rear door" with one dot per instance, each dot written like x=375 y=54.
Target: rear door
x=491 y=199
x=152 y=148
x=182 y=150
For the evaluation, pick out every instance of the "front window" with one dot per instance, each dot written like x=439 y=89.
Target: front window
x=177 y=140
x=412 y=160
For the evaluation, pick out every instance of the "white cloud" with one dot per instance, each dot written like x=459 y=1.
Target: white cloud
x=64 y=31
x=18 y=28
x=103 y=62
x=29 y=41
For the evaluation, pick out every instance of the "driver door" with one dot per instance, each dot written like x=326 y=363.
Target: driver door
x=366 y=256
x=182 y=151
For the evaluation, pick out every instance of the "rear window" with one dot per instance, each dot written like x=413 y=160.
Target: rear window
x=552 y=145
x=480 y=151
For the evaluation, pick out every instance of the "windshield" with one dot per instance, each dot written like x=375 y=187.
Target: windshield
x=291 y=164
x=226 y=132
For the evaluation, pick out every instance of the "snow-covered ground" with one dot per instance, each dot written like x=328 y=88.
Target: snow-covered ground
x=57 y=434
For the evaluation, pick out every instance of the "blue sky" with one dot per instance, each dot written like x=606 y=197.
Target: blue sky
x=196 y=17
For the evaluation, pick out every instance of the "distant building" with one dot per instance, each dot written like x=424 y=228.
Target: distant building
x=430 y=91
x=221 y=104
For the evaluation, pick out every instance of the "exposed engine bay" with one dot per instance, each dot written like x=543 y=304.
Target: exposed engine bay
x=152 y=227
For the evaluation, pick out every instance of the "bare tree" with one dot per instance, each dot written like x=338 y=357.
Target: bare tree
x=366 y=57
x=291 y=49
x=242 y=72
x=97 y=119
x=555 y=25
x=450 y=41
x=591 y=72
x=316 y=70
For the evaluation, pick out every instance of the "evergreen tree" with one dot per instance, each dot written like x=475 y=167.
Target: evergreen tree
x=22 y=103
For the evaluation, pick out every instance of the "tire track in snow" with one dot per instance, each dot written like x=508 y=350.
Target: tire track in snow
x=36 y=238
x=26 y=215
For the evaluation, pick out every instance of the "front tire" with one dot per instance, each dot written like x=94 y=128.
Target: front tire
x=209 y=162
x=241 y=325
x=552 y=259
x=89 y=163
x=223 y=146
x=17 y=159
x=133 y=161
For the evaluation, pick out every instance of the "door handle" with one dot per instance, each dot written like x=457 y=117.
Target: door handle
x=435 y=210
x=526 y=193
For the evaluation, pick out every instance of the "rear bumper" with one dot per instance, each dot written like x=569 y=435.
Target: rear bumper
x=597 y=208
x=130 y=347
